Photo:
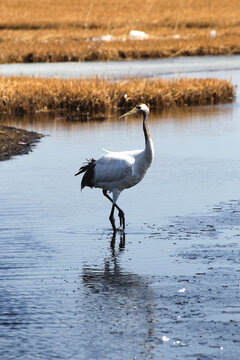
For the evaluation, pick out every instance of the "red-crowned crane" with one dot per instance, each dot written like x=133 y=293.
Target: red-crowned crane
x=117 y=171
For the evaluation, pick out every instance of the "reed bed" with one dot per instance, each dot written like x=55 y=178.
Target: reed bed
x=43 y=30
x=20 y=95
x=81 y=50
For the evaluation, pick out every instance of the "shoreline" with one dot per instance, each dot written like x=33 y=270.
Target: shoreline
x=14 y=141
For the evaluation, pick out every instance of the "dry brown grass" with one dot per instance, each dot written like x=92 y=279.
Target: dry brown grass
x=43 y=30
x=105 y=14
x=23 y=94
x=69 y=49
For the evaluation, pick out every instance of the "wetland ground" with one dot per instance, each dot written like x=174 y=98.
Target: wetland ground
x=39 y=31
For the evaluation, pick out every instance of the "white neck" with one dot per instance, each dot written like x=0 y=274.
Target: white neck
x=149 y=151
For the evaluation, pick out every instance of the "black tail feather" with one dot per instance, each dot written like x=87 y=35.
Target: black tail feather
x=88 y=177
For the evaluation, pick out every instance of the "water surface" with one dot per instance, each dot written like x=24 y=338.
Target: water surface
x=117 y=69
x=167 y=289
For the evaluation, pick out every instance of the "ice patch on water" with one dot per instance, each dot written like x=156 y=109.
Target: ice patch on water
x=182 y=290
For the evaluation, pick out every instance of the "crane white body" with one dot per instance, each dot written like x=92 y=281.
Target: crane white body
x=116 y=171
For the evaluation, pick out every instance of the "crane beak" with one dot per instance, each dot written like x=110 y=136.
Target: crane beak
x=131 y=112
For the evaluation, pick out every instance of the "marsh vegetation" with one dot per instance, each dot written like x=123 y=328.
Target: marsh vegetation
x=40 y=31
x=25 y=94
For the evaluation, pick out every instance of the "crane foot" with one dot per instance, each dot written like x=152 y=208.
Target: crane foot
x=121 y=218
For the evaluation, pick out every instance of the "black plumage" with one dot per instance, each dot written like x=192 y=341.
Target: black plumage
x=88 y=177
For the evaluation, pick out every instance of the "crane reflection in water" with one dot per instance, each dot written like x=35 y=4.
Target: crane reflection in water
x=120 y=306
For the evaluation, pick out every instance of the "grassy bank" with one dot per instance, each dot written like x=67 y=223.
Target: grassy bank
x=24 y=94
x=14 y=51
x=32 y=30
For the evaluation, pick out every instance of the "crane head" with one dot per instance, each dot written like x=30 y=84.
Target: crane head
x=138 y=109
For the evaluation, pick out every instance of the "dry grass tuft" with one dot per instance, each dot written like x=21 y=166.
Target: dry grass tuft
x=24 y=94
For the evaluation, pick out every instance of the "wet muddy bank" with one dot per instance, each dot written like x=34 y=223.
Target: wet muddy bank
x=15 y=141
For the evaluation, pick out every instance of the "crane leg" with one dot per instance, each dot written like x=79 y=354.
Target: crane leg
x=111 y=218
x=120 y=212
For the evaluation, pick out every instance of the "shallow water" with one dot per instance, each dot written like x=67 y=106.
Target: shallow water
x=167 y=289
x=115 y=69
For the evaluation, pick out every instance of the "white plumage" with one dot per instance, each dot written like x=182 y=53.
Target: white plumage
x=117 y=171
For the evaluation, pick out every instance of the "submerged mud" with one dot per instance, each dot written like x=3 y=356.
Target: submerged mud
x=193 y=314
x=199 y=313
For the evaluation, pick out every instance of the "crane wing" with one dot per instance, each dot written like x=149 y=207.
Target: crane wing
x=113 y=167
